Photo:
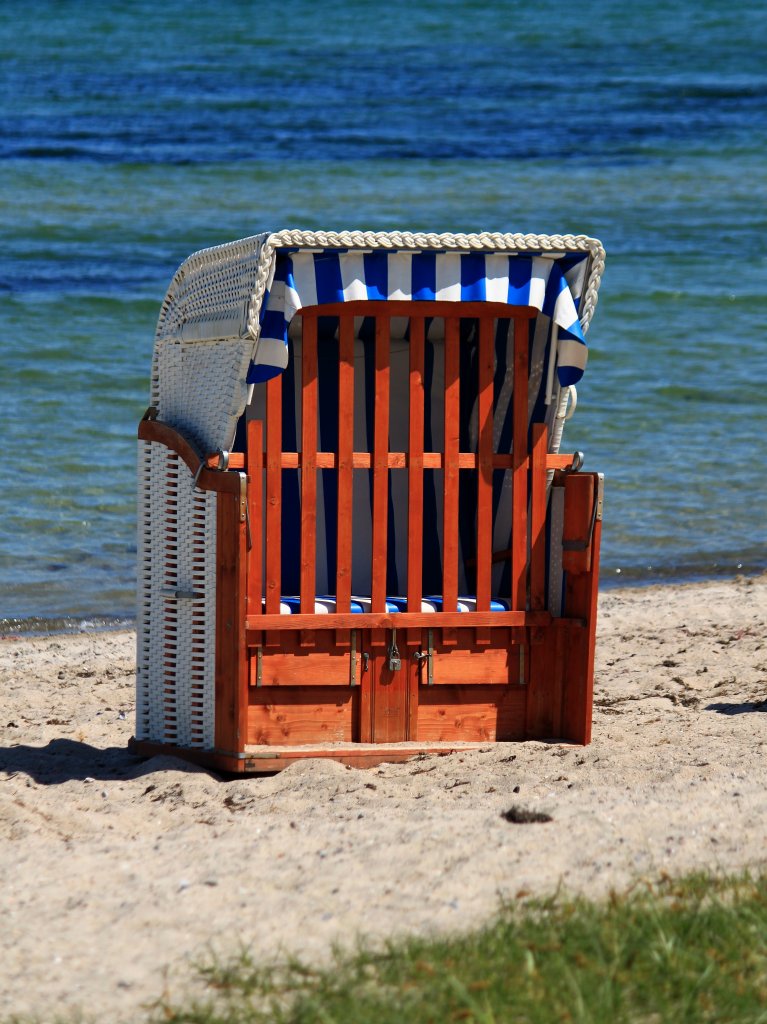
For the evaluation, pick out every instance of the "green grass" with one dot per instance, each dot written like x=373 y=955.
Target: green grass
x=685 y=950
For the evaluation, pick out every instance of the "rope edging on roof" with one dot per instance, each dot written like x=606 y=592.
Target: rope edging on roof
x=488 y=241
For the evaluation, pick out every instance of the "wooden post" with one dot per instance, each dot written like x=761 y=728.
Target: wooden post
x=582 y=584
x=231 y=690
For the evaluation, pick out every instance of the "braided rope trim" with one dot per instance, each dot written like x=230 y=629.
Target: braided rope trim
x=487 y=241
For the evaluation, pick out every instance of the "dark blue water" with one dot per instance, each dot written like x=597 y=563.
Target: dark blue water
x=134 y=134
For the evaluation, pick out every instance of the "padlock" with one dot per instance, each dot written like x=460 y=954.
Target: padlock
x=395 y=662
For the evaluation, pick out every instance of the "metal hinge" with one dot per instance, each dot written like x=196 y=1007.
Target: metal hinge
x=596 y=515
x=353 y=659
x=259 y=665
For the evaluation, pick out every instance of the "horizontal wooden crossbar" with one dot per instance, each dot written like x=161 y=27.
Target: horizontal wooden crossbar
x=401 y=460
x=415 y=308
x=399 y=620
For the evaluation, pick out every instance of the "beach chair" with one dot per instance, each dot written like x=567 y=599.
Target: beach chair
x=357 y=536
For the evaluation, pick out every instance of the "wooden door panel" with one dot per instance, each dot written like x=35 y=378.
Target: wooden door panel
x=470 y=713
x=468 y=663
x=324 y=664
x=279 y=716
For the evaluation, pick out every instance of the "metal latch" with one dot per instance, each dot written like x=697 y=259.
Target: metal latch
x=395 y=662
x=428 y=656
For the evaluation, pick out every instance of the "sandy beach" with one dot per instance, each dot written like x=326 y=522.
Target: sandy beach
x=117 y=874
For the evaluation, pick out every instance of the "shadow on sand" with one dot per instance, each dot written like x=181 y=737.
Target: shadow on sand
x=738 y=709
x=65 y=760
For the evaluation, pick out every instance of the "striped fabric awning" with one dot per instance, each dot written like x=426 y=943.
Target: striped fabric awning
x=552 y=283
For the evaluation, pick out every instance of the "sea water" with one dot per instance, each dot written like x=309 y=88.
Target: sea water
x=133 y=134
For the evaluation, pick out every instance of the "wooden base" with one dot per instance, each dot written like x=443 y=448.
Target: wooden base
x=259 y=760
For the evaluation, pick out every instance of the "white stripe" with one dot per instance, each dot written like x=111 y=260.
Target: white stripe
x=448 y=284
x=271 y=352
x=303 y=274
x=552 y=364
x=353 y=277
x=572 y=353
x=538 y=280
x=576 y=276
x=401 y=275
x=564 y=309
x=496 y=278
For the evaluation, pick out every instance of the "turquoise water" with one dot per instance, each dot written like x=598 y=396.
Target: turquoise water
x=130 y=137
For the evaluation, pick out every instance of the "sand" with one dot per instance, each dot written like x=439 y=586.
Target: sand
x=116 y=875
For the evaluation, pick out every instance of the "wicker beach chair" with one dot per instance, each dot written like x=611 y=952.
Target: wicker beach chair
x=357 y=536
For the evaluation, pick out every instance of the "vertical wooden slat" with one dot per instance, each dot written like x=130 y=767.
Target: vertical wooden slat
x=254 y=465
x=415 y=467
x=380 y=465
x=519 y=469
x=485 y=471
x=450 y=474
x=345 y=471
x=538 y=518
x=231 y=687
x=273 y=501
x=309 y=394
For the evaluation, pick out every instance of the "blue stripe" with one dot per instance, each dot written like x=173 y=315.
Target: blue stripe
x=555 y=285
x=260 y=372
x=327 y=273
x=283 y=268
x=575 y=331
x=376 y=266
x=424 y=274
x=274 y=325
x=473 y=277
x=569 y=375
x=520 y=272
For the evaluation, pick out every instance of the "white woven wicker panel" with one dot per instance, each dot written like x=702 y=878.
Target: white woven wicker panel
x=202 y=390
x=175 y=682
x=203 y=346
x=211 y=291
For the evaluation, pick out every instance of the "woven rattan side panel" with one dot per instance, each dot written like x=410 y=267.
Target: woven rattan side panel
x=201 y=388
x=175 y=679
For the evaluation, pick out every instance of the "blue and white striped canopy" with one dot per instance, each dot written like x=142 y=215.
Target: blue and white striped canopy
x=551 y=283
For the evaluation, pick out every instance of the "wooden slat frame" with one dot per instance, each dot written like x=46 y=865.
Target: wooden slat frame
x=415 y=464
x=380 y=464
x=345 y=483
x=519 y=468
x=273 y=499
x=255 y=460
x=309 y=400
x=540 y=436
x=485 y=470
x=450 y=473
